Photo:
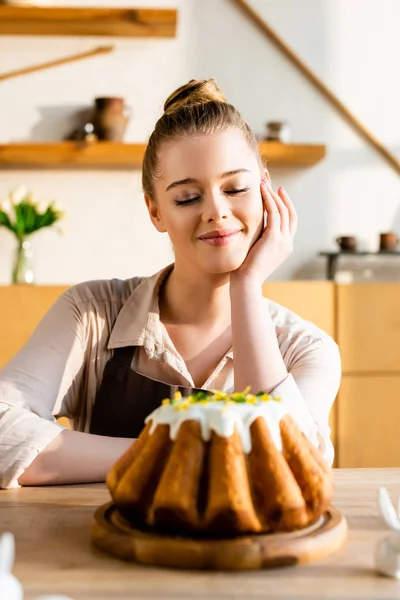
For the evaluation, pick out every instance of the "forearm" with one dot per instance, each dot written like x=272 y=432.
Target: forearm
x=75 y=457
x=258 y=362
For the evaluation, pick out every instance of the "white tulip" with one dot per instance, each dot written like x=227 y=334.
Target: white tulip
x=19 y=194
x=58 y=207
x=42 y=206
x=6 y=207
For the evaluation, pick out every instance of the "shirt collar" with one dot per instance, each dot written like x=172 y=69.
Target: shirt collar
x=138 y=322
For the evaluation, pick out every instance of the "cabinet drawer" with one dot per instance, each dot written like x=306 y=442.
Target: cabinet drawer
x=368 y=327
x=368 y=420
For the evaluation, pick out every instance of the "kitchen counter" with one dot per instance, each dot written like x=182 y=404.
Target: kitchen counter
x=54 y=555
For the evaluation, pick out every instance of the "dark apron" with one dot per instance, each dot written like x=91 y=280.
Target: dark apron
x=125 y=398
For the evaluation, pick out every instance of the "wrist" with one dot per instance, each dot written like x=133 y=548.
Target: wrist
x=243 y=279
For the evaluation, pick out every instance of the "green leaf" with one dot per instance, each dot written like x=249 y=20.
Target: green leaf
x=239 y=398
x=5 y=221
x=200 y=396
x=28 y=220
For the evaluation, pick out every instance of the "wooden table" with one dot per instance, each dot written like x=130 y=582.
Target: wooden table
x=51 y=526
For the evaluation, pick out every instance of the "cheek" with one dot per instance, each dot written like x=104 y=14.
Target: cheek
x=179 y=226
x=253 y=210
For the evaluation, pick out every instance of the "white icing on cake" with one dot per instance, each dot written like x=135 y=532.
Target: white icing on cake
x=221 y=416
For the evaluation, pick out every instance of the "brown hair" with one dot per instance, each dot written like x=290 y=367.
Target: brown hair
x=198 y=107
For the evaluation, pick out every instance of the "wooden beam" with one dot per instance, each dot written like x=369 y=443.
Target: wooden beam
x=319 y=84
x=56 y=63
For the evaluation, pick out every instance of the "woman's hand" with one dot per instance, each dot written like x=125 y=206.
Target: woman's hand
x=276 y=242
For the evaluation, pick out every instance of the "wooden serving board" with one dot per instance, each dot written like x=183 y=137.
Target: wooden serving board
x=112 y=534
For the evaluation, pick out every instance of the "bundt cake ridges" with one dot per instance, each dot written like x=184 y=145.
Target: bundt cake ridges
x=123 y=463
x=229 y=503
x=276 y=494
x=175 y=503
x=161 y=487
x=316 y=487
x=134 y=493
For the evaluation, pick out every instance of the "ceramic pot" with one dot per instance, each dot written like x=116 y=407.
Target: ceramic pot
x=110 y=119
x=388 y=241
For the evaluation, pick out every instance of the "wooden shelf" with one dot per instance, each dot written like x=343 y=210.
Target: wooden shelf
x=118 y=22
x=291 y=155
x=59 y=155
x=108 y=155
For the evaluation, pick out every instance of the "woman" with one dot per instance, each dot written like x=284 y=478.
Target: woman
x=107 y=352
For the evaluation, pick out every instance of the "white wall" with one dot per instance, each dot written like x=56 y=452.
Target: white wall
x=353 y=46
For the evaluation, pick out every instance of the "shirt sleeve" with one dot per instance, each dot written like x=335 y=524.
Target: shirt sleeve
x=310 y=389
x=36 y=384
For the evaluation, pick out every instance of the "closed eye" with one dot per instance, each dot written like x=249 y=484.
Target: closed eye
x=195 y=198
x=186 y=202
x=239 y=191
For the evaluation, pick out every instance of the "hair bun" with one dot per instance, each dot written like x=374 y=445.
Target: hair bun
x=197 y=91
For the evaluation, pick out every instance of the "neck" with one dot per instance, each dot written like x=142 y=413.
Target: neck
x=195 y=298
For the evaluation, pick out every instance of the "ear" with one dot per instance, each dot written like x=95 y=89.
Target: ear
x=154 y=213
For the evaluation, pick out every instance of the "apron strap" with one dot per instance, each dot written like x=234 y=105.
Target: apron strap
x=124 y=356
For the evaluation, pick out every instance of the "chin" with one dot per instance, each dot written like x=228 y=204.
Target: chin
x=222 y=265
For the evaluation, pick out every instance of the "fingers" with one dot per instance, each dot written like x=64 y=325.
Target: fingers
x=280 y=210
x=290 y=209
x=273 y=217
x=283 y=211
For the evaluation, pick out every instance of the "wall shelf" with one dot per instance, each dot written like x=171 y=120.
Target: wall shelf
x=118 y=22
x=111 y=155
x=59 y=155
x=291 y=155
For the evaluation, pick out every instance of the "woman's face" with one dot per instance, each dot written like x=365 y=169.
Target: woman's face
x=208 y=199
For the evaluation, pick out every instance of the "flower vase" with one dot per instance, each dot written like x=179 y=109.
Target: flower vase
x=23 y=263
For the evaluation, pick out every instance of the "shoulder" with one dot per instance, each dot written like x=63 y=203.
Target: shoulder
x=290 y=323
x=297 y=336
x=103 y=290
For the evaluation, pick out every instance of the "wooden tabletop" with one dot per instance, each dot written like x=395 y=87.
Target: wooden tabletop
x=51 y=526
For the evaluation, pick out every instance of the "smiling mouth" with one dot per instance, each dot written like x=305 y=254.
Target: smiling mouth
x=220 y=238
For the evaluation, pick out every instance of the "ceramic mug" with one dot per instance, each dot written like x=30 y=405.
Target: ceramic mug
x=388 y=241
x=347 y=243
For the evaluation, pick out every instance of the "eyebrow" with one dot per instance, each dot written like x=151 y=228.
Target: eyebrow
x=175 y=184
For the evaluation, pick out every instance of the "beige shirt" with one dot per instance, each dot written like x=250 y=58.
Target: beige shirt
x=59 y=370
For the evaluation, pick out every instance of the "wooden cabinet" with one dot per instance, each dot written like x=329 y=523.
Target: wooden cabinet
x=368 y=327
x=21 y=308
x=368 y=406
x=368 y=421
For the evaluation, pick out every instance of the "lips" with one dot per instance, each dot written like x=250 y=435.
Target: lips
x=219 y=237
x=218 y=233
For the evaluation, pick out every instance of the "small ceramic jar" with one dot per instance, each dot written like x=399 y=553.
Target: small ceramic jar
x=278 y=131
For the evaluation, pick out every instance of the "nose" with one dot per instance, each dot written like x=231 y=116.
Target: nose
x=215 y=207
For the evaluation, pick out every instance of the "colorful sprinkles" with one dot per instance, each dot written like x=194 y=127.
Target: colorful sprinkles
x=182 y=403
